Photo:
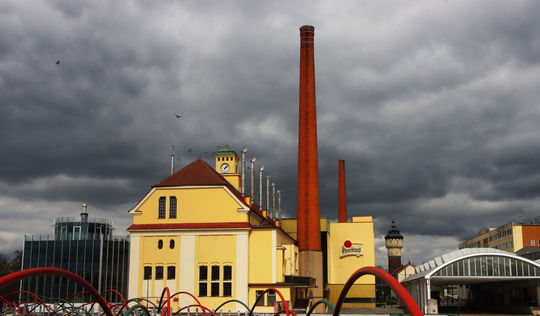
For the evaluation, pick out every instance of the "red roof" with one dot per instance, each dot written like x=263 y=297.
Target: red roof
x=200 y=173
x=399 y=269
x=197 y=173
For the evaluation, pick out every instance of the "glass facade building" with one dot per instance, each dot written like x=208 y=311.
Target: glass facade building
x=85 y=246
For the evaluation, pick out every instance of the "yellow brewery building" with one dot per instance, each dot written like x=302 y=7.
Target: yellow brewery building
x=196 y=232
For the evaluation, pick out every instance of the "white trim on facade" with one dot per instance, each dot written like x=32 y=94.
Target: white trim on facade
x=187 y=263
x=134 y=209
x=242 y=268
x=274 y=246
x=134 y=258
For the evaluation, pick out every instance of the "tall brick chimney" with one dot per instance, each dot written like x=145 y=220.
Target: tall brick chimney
x=342 y=194
x=309 y=237
x=308 y=227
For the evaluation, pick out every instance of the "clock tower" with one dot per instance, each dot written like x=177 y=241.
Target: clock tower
x=227 y=165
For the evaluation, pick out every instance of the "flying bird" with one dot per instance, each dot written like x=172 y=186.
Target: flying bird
x=178 y=115
x=58 y=62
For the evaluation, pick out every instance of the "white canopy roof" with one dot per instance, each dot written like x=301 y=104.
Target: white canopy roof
x=472 y=265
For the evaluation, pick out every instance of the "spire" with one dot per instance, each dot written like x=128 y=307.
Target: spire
x=393 y=233
x=225 y=150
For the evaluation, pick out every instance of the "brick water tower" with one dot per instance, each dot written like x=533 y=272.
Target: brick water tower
x=394 y=244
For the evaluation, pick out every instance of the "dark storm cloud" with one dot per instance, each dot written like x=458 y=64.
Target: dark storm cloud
x=433 y=105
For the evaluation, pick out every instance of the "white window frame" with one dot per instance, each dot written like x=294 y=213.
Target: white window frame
x=76 y=232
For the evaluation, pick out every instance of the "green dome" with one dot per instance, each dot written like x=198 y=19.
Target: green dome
x=393 y=233
x=225 y=151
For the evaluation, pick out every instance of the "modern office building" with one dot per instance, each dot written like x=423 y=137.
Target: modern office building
x=82 y=245
x=509 y=237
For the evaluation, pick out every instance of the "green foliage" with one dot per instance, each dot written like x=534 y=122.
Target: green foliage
x=8 y=266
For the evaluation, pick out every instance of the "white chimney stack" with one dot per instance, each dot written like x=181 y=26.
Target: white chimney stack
x=267 y=193
x=252 y=183
x=261 y=187
x=172 y=160
x=84 y=214
x=243 y=179
x=273 y=201
x=279 y=206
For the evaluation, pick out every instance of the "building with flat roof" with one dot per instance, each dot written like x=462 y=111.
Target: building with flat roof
x=82 y=245
x=509 y=237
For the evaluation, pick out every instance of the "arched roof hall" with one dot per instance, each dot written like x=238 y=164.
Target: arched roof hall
x=469 y=266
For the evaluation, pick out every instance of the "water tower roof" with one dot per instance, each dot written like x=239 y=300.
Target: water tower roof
x=393 y=233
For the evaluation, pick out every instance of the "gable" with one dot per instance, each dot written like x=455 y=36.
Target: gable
x=194 y=204
x=197 y=173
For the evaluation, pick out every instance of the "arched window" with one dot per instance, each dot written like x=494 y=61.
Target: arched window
x=171 y=244
x=172 y=207
x=161 y=207
x=160 y=244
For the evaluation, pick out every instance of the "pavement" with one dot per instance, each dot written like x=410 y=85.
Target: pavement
x=380 y=311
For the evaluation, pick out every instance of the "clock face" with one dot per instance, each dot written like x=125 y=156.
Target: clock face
x=225 y=167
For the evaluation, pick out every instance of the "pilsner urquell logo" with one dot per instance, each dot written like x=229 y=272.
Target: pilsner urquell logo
x=350 y=249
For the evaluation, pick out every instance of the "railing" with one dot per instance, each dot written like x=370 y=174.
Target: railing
x=164 y=308
x=73 y=219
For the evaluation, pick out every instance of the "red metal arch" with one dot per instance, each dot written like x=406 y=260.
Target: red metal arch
x=20 y=275
x=285 y=307
x=194 y=298
x=403 y=295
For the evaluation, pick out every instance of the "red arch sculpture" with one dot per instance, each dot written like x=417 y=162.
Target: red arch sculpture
x=20 y=275
x=403 y=295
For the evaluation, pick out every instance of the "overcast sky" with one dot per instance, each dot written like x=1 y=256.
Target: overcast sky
x=433 y=105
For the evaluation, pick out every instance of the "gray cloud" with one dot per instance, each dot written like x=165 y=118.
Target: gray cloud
x=432 y=104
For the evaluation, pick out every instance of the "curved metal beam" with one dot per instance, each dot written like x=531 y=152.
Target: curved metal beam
x=403 y=295
x=24 y=274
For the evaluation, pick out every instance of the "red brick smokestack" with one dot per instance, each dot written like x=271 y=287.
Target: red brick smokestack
x=342 y=194
x=309 y=236
x=309 y=225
